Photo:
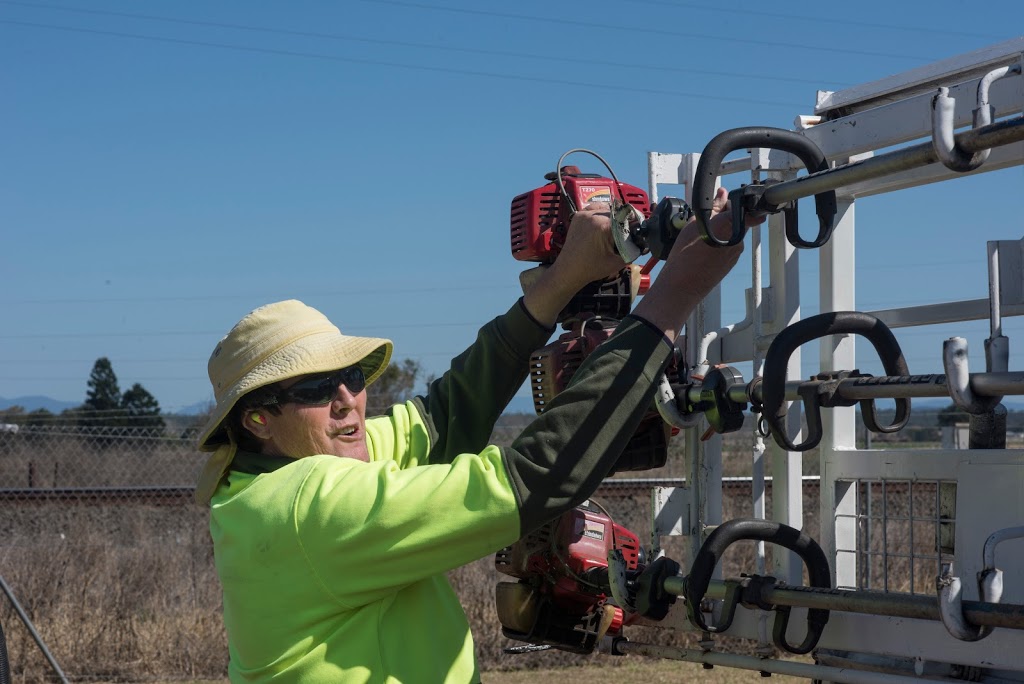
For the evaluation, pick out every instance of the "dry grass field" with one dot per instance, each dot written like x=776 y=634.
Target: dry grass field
x=635 y=671
x=629 y=671
x=124 y=590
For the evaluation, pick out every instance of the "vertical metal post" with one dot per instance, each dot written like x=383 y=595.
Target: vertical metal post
x=705 y=457
x=836 y=293
x=910 y=503
x=866 y=551
x=23 y=616
x=759 y=159
x=885 y=535
x=787 y=470
x=842 y=521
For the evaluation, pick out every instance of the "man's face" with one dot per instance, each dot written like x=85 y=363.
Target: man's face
x=337 y=428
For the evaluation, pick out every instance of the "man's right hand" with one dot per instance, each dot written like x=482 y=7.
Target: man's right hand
x=587 y=255
x=692 y=270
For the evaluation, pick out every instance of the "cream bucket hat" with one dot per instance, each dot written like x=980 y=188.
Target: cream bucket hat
x=273 y=343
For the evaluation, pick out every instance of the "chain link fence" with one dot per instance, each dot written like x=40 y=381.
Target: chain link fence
x=111 y=558
x=107 y=553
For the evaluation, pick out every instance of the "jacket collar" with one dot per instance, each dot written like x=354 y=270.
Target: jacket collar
x=257 y=464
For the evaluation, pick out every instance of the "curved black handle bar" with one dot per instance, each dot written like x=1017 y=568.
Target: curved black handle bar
x=711 y=551
x=834 y=323
x=766 y=138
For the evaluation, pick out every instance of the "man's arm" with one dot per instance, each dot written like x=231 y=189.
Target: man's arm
x=692 y=270
x=560 y=459
x=460 y=408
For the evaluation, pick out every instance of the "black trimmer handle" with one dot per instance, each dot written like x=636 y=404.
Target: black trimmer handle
x=763 y=137
x=724 y=536
x=776 y=361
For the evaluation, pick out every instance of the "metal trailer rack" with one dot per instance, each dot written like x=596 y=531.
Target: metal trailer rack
x=952 y=499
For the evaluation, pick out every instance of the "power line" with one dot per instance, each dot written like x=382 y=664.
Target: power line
x=813 y=20
x=218 y=333
x=915 y=331
x=398 y=65
x=648 y=31
x=805 y=271
x=462 y=287
x=562 y=59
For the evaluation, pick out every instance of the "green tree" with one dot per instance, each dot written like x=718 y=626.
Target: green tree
x=105 y=406
x=395 y=385
x=103 y=400
x=141 y=408
x=13 y=414
x=39 y=418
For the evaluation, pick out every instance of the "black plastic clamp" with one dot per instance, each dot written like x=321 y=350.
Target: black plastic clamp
x=750 y=198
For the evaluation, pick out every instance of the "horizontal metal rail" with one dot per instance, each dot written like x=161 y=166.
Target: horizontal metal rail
x=156 y=495
x=885 y=387
x=622 y=487
x=915 y=606
x=974 y=140
x=792 y=668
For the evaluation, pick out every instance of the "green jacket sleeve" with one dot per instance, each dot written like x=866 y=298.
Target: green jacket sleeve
x=461 y=406
x=561 y=457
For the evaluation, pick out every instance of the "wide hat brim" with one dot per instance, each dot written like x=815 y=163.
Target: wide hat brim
x=317 y=353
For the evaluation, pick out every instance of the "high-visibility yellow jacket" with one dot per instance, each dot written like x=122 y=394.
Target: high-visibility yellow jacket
x=333 y=569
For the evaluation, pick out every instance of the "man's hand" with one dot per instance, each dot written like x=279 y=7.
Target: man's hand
x=587 y=255
x=692 y=270
x=589 y=250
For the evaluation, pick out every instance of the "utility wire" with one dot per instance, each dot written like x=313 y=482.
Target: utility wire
x=398 y=65
x=562 y=59
x=649 y=31
x=774 y=14
x=319 y=293
x=193 y=333
x=805 y=272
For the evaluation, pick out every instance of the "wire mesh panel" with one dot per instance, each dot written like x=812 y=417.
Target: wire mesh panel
x=905 y=530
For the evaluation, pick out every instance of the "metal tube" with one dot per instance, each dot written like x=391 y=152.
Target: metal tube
x=916 y=606
x=32 y=630
x=757 y=488
x=994 y=294
x=890 y=387
x=974 y=140
x=785 y=667
x=997 y=538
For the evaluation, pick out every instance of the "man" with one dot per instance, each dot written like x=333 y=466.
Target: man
x=332 y=533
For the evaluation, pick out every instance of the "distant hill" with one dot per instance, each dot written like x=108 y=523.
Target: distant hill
x=36 y=402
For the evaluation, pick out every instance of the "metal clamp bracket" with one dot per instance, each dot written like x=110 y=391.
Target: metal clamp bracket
x=958 y=379
x=749 y=590
x=750 y=198
x=944 y=121
x=790 y=339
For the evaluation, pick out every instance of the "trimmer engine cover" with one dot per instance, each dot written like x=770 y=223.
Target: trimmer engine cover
x=540 y=218
x=552 y=368
x=561 y=597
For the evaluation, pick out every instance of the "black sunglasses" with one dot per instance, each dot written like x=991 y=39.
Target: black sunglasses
x=318 y=389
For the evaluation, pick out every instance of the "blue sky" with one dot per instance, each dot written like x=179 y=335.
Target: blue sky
x=169 y=166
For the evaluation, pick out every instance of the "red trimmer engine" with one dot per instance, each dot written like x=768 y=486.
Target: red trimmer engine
x=540 y=217
x=540 y=221
x=562 y=598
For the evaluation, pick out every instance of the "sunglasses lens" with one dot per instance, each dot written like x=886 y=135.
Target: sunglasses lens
x=353 y=378
x=321 y=389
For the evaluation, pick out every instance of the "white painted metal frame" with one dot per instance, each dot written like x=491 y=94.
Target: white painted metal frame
x=856 y=123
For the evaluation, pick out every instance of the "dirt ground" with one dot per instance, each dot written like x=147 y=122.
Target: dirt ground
x=629 y=671
x=636 y=671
